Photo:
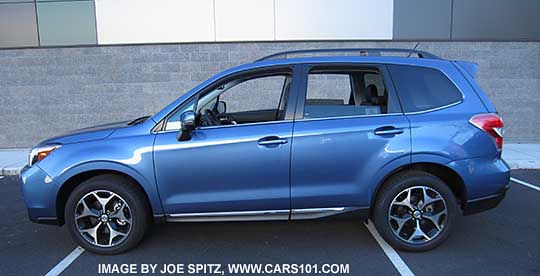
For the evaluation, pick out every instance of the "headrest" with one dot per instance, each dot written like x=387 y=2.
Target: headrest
x=380 y=100
x=371 y=92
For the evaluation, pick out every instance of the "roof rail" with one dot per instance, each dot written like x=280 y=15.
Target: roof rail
x=361 y=52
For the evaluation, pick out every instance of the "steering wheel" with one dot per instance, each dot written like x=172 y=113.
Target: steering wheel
x=210 y=118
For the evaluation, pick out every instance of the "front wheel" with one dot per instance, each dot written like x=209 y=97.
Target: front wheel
x=415 y=211
x=107 y=214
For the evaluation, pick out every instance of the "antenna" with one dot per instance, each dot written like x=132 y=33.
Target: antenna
x=410 y=53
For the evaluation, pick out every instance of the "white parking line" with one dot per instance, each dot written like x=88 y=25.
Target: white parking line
x=525 y=184
x=394 y=257
x=62 y=265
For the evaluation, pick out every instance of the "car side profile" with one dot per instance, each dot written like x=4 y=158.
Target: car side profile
x=409 y=141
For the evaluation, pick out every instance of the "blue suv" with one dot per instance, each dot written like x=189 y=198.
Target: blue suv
x=399 y=136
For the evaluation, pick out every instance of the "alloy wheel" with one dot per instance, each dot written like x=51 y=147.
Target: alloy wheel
x=417 y=214
x=103 y=218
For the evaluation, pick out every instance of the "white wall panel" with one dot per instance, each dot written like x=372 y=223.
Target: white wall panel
x=333 y=19
x=244 y=20
x=154 y=21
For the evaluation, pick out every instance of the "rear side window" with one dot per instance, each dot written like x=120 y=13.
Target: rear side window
x=342 y=91
x=421 y=88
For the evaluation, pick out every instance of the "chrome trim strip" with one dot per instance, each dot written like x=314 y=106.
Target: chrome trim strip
x=306 y=213
x=314 y=213
x=349 y=117
x=230 y=216
x=248 y=124
x=223 y=126
x=384 y=114
x=435 y=109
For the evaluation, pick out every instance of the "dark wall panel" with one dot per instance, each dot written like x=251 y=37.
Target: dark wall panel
x=422 y=19
x=496 y=20
x=18 y=25
x=66 y=23
x=16 y=1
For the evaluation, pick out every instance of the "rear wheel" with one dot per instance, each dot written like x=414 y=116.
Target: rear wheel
x=415 y=211
x=107 y=214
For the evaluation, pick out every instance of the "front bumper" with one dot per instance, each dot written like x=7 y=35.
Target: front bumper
x=39 y=192
x=482 y=204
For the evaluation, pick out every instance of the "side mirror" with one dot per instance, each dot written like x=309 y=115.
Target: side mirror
x=221 y=107
x=187 y=119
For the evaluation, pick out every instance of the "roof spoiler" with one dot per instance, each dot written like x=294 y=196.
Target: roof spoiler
x=470 y=67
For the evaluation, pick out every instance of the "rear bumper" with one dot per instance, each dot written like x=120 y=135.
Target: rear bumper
x=486 y=181
x=485 y=203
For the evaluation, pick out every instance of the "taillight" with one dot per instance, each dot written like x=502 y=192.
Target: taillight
x=492 y=124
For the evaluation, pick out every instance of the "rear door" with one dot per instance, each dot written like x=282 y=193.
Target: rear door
x=348 y=126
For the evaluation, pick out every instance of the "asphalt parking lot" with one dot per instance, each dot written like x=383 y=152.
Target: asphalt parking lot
x=505 y=240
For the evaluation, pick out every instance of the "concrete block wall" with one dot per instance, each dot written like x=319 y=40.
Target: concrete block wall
x=48 y=91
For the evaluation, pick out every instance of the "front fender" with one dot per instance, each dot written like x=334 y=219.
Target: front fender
x=131 y=155
x=148 y=185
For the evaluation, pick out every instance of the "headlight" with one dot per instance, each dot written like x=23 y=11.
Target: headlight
x=38 y=153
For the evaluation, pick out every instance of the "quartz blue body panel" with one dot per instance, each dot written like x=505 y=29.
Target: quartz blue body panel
x=224 y=168
x=483 y=176
x=39 y=192
x=325 y=162
x=468 y=71
x=334 y=161
x=127 y=150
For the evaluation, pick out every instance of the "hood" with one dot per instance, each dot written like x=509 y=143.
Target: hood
x=87 y=134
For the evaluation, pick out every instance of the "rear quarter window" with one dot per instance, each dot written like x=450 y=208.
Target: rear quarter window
x=421 y=88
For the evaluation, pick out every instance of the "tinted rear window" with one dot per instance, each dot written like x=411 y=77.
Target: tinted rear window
x=421 y=88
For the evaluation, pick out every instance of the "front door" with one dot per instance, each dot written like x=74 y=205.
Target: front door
x=238 y=158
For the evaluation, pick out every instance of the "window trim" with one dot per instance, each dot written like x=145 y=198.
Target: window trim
x=343 y=66
x=350 y=117
x=291 y=69
x=241 y=125
x=435 y=108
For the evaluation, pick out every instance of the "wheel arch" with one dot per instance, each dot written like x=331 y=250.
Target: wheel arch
x=76 y=179
x=448 y=175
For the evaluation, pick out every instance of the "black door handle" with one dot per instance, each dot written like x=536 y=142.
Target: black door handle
x=388 y=130
x=272 y=140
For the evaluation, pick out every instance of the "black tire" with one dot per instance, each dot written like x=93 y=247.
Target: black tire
x=399 y=183
x=139 y=211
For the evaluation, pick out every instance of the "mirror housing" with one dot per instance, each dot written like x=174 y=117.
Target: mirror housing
x=187 y=119
x=221 y=107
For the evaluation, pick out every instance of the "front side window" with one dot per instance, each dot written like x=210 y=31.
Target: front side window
x=254 y=95
x=336 y=93
x=422 y=88
x=253 y=99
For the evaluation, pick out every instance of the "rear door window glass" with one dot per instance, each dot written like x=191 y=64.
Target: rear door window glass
x=335 y=92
